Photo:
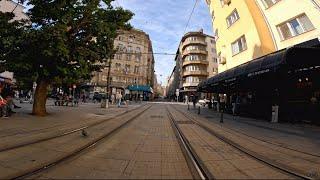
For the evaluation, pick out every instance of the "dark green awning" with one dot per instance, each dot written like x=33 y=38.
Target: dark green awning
x=144 y=88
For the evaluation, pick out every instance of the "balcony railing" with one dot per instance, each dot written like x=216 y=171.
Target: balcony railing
x=195 y=73
x=189 y=84
x=204 y=62
x=198 y=41
x=195 y=51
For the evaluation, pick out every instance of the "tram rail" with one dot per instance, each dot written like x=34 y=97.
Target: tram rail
x=68 y=132
x=286 y=170
x=91 y=144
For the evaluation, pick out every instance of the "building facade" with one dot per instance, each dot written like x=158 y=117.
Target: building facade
x=196 y=60
x=248 y=29
x=132 y=67
x=16 y=8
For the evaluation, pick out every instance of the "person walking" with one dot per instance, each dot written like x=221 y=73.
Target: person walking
x=118 y=98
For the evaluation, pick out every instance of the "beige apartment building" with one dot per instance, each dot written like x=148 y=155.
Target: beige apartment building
x=196 y=61
x=248 y=29
x=132 y=68
x=11 y=6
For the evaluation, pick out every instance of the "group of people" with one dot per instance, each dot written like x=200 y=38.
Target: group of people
x=6 y=101
x=65 y=99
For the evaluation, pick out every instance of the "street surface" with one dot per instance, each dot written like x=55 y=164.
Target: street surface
x=154 y=141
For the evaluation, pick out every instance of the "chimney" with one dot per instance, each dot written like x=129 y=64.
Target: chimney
x=201 y=30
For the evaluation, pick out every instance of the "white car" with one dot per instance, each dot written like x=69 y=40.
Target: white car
x=203 y=102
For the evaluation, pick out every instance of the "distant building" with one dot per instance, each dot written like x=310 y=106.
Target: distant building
x=248 y=29
x=11 y=6
x=196 y=60
x=132 y=68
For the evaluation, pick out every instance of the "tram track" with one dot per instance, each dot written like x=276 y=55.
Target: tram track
x=68 y=132
x=266 y=141
x=305 y=165
x=291 y=172
x=29 y=171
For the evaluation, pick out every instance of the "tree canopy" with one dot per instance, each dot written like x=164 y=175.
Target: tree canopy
x=63 y=40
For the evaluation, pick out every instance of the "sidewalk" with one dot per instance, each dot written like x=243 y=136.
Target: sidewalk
x=301 y=137
x=22 y=126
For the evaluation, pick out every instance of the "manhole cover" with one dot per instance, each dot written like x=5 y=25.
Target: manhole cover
x=185 y=122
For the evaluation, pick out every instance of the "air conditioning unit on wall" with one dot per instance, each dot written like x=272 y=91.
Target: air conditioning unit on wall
x=223 y=60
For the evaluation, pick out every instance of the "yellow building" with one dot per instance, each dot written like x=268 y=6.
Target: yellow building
x=248 y=29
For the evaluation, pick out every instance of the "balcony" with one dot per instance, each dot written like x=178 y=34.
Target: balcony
x=204 y=62
x=191 y=84
x=195 y=51
x=195 y=42
x=195 y=73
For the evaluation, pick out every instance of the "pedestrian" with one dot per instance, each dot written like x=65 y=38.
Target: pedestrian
x=187 y=99
x=194 y=101
x=112 y=99
x=118 y=98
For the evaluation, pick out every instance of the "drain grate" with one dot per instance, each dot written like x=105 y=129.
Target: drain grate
x=184 y=122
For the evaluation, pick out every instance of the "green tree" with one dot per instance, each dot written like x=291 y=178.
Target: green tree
x=63 y=40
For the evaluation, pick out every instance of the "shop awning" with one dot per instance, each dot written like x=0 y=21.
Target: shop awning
x=283 y=60
x=142 y=88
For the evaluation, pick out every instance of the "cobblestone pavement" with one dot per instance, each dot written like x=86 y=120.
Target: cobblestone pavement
x=221 y=159
x=301 y=137
x=23 y=127
x=15 y=161
x=296 y=152
x=145 y=149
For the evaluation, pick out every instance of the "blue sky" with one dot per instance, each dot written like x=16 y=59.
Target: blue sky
x=165 y=21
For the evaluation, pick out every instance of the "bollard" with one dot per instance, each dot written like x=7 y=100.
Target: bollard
x=188 y=107
x=199 y=110
x=221 y=117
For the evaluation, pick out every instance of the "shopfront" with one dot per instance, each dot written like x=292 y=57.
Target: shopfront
x=288 y=78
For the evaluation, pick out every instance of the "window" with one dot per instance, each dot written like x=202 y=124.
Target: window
x=117 y=56
x=128 y=57
x=215 y=60
x=118 y=66
x=127 y=69
x=104 y=78
x=138 y=50
x=239 y=45
x=216 y=34
x=130 y=49
x=212 y=15
x=269 y=3
x=232 y=18
x=213 y=50
x=295 y=27
x=136 y=70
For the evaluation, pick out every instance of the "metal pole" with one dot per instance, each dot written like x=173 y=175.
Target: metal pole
x=221 y=117
x=188 y=107
x=108 y=83
x=73 y=100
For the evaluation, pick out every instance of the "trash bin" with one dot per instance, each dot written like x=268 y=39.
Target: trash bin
x=275 y=114
x=103 y=103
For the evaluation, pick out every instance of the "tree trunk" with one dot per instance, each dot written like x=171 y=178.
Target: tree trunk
x=40 y=98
